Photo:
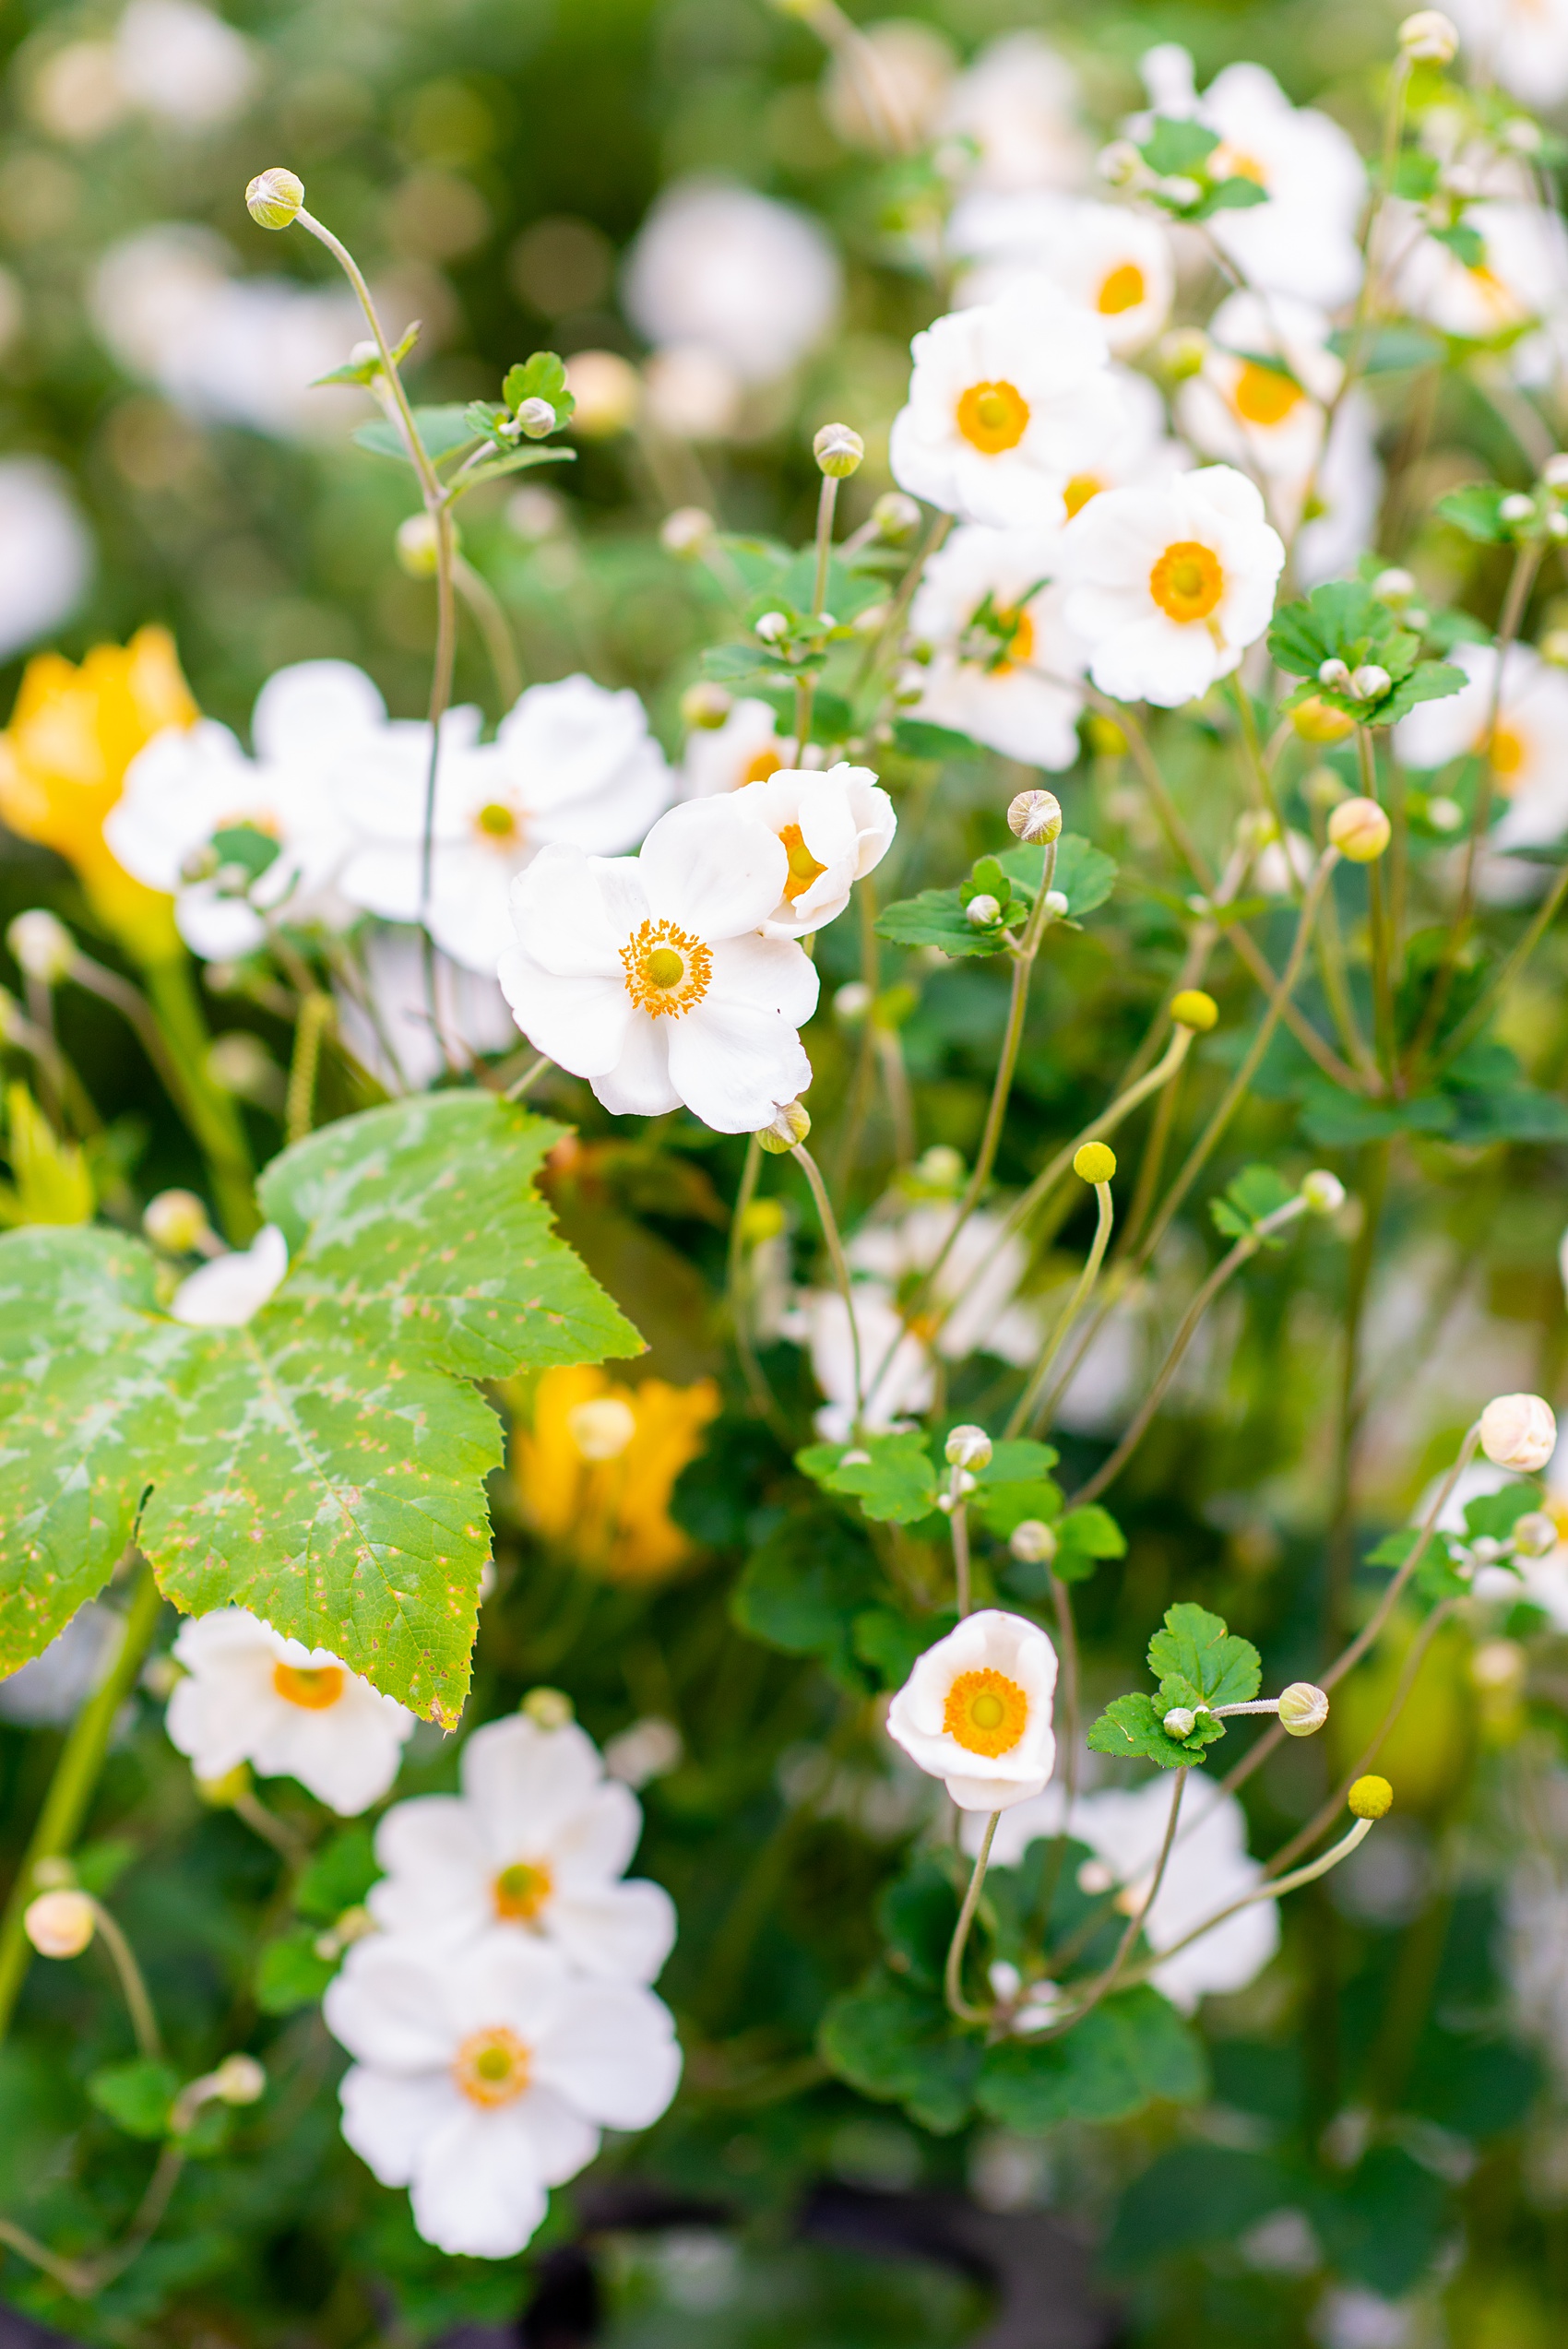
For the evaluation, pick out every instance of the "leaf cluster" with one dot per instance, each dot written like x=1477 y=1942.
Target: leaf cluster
x=1198 y=1664
x=1344 y=621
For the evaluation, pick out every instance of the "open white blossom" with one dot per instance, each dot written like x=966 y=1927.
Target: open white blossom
x=1521 y=273
x=1522 y=42
x=991 y=617
x=538 y=1842
x=976 y=1288
x=1114 y=262
x=484 y=2074
x=232 y=1289
x=719 y=269
x=747 y=748
x=835 y=826
x=976 y=1711
x=1017 y=100
x=1007 y=403
x=649 y=977
x=572 y=762
x=290 y=1711
x=1530 y=753
x=1168 y=588
x=820 y=1320
x=1260 y=398
x=46 y=551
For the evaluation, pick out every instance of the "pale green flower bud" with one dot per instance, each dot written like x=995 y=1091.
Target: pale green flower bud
x=60 y=1925
x=791 y=1123
x=984 y=912
x=968 y=1447
x=1033 y=1542
x=42 y=947
x=274 y=197
x=1535 y=1534
x=705 y=705
x=1303 y=1709
x=176 y=1222
x=1519 y=1431
x=239 y=2080
x=1179 y=1723
x=1034 y=816
x=1360 y=829
x=687 y=531
x=547 y=1708
x=897 y=517
x=1430 y=37
x=1324 y=1193
x=839 y=450
x=536 y=418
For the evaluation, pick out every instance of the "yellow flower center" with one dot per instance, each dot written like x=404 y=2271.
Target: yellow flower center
x=803 y=867
x=1078 y=491
x=766 y=762
x=1187 y=582
x=315 y=1687
x=492 y=2067
x=1510 y=755
x=667 y=969
x=1120 y=289
x=993 y=417
x=496 y=821
x=521 y=1890
x=986 y=1713
x=1228 y=162
x=1263 y=395
x=1020 y=633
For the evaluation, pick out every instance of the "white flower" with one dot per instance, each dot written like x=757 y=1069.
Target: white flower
x=820 y=1320
x=1522 y=42
x=290 y=1711
x=1240 y=408
x=182 y=63
x=232 y=1289
x=385 y=1021
x=50 y=1689
x=747 y=748
x=992 y=621
x=1017 y=101
x=835 y=826
x=1107 y=259
x=1007 y=403
x=721 y=267
x=976 y=1711
x=1529 y=750
x=1210 y=1867
x=648 y=975
x=1522 y=273
x=46 y=552
x=572 y=762
x=1168 y=588
x=483 y=2076
x=975 y=1288
x=1345 y=498
x=535 y=1843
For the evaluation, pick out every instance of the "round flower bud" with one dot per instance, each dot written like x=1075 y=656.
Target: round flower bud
x=839 y=450
x=772 y=627
x=941 y=1167
x=1180 y=354
x=417 y=546
x=1303 y=1709
x=1056 y=904
x=1178 y=190
x=1554 y=472
x=60 y=1925
x=1321 y=787
x=852 y=1001
x=42 y=947
x=1119 y=163
x=968 y=1447
x=1517 y=508
x=1553 y=646
x=536 y=418
x=705 y=705
x=791 y=1123
x=1499 y=1666
x=764 y=1219
x=687 y=531
x=1333 y=673
x=1191 y=1008
x=274 y=197
x=222 y=1794
x=1005 y=1980
x=1324 y=1193
x=1034 y=816
x=1535 y=1534
x=1519 y=1431
x=176 y=1222
x=239 y=2080
x=1359 y=830
x=897 y=517
x=548 y=1708
x=1445 y=814
x=1430 y=37
x=1033 y=1542
x=1093 y=1163
x=1371 y=1797
x=984 y=911
x=1179 y=1723
x=1369 y=683
x=1395 y=586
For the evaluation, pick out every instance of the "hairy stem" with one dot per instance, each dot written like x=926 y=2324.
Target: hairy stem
x=952 y=1977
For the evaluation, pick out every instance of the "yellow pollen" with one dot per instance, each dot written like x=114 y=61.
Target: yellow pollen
x=492 y=2067
x=766 y=762
x=667 y=969
x=1078 y=491
x=993 y=417
x=522 y=1889
x=803 y=867
x=497 y=822
x=1187 y=582
x=1510 y=756
x=315 y=1687
x=1120 y=289
x=1263 y=395
x=986 y=1713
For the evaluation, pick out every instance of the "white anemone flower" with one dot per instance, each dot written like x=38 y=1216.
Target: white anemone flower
x=46 y=551
x=232 y=1288
x=483 y=2076
x=819 y=1319
x=240 y=842
x=648 y=975
x=1107 y=259
x=1267 y=376
x=976 y=1711
x=835 y=826
x=1522 y=273
x=1168 y=588
x=722 y=269
x=991 y=618
x=1017 y=101
x=747 y=748
x=974 y=1292
x=290 y=1711
x=1007 y=403
x=1209 y=1868
x=1529 y=750
x=1522 y=42
x=1340 y=504
x=572 y=762
x=537 y=1842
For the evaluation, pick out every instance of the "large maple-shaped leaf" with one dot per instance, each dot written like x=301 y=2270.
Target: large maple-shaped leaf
x=325 y=1464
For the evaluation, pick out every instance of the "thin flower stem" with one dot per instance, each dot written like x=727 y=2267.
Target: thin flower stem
x=404 y=416
x=489 y=618
x=806 y=685
x=317 y=1014
x=1508 y=970
x=764 y=1402
x=529 y=1078
x=888 y=633
x=1266 y=1891
x=958 y=1522
x=1067 y=1649
x=291 y=1849
x=840 y=1262
x=1114 y=1972
x=953 y=1977
x=1023 y=1411
x=1263 y=776
x=138 y=2006
x=1337 y=993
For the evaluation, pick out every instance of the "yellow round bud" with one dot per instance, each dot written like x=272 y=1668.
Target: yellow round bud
x=1034 y=816
x=274 y=197
x=839 y=450
x=764 y=1219
x=1105 y=738
x=1316 y=720
x=60 y=1925
x=1093 y=1163
x=1360 y=829
x=1371 y=1797
x=1303 y=1709
x=548 y=1708
x=1191 y=1008
x=176 y=1222
x=791 y=1123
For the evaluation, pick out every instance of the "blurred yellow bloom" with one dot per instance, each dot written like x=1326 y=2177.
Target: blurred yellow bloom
x=596 y=1471
x=63 y=760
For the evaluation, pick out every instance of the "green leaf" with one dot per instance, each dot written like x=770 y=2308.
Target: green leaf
x=1467 y=244
x=891 y=1645
x=325 y=1464
x=441 y=430
x=1130 y=2050
x=1177 y=146
x=289 y=1974
x=365 y=372
x=803 y=1589
x=915 y=1916
x=937 y=917
x=53 y=1184
x=1018 y=1460
x=136 y=2096
x=1086 y=1536
x=1235 y=195
x=542 y=376
x=916 y=738
x=890 y=1475
x=1475 y=510
x=338 y=1876
x=1495 y=1514
x=1224 y=1668
x=516 y=461
x=891 y=2041
x=1084 y=874
x=1429 y=681
x=1002 y=1508
x=1257 y=1192
x=1335 y=1120
x=1129 y=1728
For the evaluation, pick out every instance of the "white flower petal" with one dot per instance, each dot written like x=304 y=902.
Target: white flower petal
x=640 y=1086
x=476 y=2192
x=622 y=1932
x=389 y=2119
x=711 y=867
x=612 y=2054
x=232 y=1289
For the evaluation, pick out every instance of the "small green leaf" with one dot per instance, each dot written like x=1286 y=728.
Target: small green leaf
x=338 y=1876
x=893 y=2040
x=891 y=1645
x=1177 y=146
x=1475 y=509
x=1084 y=874
x=1084 y=1536
x=1002 y=1508
x=289 y=1975
x=890 y=1475
x=516 y=460
x=916 y=738
x=1225 y=1668
x=1495 y=1514
x=1129 y=1728
x=937 y=917
x=441 y=430
x=1235 y=195
x=803 y=1589
x=1130 y=2050
x=1429 y=681
x=136 y=2096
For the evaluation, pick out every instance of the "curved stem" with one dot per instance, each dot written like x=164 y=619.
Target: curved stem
x=489 y=618
x=764 y=1402
x=1291 y=1883
x=315 y=1016
x=1114 y=1972
x=1023 y=1411
x=529 y=1078
x=138 y=2005
x=840 y=1262
x=952 y=1976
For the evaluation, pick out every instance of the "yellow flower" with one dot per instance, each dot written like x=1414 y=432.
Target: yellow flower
x=63 y=760
x=596 y=1471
